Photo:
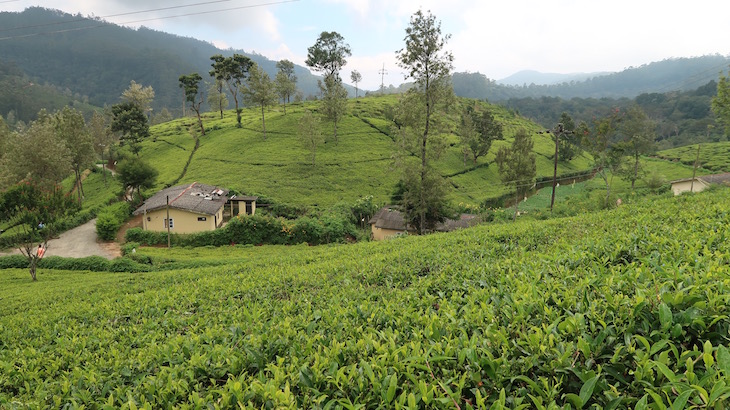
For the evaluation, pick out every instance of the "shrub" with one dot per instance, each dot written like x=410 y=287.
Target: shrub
x=110 y=219
x=127 y=265
x=307 y=230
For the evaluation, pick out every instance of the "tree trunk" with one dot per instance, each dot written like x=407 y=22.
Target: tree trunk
x=517 y=203
x=335 y=126
x=636 y=170
x=263 y=120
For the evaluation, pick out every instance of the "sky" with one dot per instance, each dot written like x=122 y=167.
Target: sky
x=494 y=37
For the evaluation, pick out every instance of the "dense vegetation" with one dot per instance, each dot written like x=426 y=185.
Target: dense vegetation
x=620 y=309
x=98 y=63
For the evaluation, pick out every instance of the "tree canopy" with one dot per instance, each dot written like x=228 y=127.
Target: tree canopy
x=328 y=54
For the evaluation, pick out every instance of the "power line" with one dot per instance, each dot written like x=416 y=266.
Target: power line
x=106 y=24
x=55 y=23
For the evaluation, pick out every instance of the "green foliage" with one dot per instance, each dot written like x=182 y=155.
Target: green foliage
x=713 y=156
x=136 y=174
x=328 y=55
x=110 y=219
x=517 y=166
x=130 y=121
x=721 y=103
x=260 y=92
x=608 y=310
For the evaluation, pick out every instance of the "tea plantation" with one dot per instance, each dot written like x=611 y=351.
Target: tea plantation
x=622 y=309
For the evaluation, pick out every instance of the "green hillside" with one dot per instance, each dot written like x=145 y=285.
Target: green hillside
x=714 y=157
x=359 y=164
x=619 y=309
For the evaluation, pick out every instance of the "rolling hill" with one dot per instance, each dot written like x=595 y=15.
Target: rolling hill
x=360 y=164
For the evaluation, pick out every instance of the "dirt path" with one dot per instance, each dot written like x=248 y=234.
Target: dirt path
x=80 y=242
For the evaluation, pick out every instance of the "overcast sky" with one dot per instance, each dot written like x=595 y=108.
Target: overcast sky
x=496 y=38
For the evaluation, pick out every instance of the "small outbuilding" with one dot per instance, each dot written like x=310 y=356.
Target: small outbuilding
x=184 y=208
x=700 y=183
x=389 y=222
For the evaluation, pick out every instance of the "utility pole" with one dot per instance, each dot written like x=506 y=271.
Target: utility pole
x=694 y=171
x=382 y=73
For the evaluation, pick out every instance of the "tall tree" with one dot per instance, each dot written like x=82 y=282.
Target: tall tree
x=136 y=174
x=216 y=97
x=355 y=77
x=568 y=142
x=34 y=209
x=426 y=62
x=310 y=134
x=328 y=54
x=129 y=120
x=36 y=153
x=477 y=132
x=141 y=96
x=71 y=128
x=233 y=72
x=286 y=81
x=101 y=136
x=637 y=139
x=517 y=167
x=334 y=102
x=191 y=85
x=721 y=102
x=260 y=91
x=598 y=141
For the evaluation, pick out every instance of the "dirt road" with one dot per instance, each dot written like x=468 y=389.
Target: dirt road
x=80 y=242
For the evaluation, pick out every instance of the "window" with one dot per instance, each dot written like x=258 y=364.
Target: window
x=171 y=224
x=249 y=208
x=202 y=219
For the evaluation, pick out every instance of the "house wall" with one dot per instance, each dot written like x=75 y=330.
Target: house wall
x=379 y=233
x=242 y=208
x=182 y=221
x=684 y=186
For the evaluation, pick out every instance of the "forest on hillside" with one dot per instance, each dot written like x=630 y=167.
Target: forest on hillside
x=97 y=60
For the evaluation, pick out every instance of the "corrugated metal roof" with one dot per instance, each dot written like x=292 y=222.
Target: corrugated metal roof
x=198 y=198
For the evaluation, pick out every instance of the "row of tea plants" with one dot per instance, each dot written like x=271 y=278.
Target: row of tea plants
x=622 y=309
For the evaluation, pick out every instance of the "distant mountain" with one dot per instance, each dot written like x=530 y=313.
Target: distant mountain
x=97 y=59
x=527 y=77
x=675 y=74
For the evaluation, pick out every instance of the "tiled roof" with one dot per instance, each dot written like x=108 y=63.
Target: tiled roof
x=196 y=197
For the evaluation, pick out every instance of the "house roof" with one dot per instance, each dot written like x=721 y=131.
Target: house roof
x=196 y=197
x=392 y=219
x=243 y=198
x=710 y=179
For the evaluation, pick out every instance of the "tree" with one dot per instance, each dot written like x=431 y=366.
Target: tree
x=260 y=91
x=598 y=142
x=721 y=103
x=637 y=132
x=310 y=134
x=334 y=102
x=568 y=142
x=233 y=72
x=36 y=153
x=101 y=136
x=136 y=174
x=517 y=167
x=191 y=84
x=328 y=54
x=131 y=123
x=477 y=132
x=217 y=98
x=429 y=66
x=140 y=96
x=34 y=209
x=71 y=128
x=356 y=77
x=286 y=81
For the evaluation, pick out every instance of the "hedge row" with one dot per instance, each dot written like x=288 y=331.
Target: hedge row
x=90 y=263
x=257 y=230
